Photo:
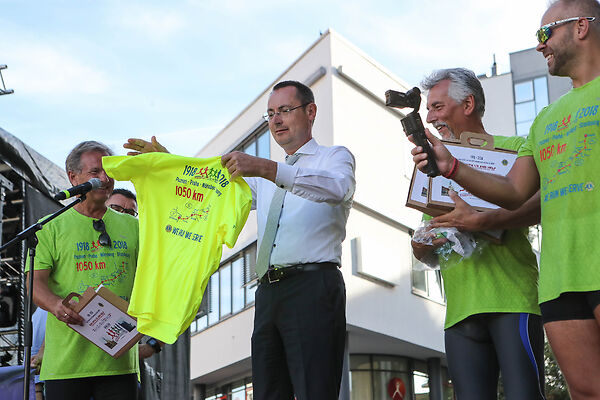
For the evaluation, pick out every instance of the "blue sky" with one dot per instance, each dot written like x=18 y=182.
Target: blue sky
x=109 y=70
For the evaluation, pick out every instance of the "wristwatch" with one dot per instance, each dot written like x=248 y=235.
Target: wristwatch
x=154 y=344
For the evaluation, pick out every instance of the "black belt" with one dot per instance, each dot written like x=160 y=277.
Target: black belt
x=275 y=274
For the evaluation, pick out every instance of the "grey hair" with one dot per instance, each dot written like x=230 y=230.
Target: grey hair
x=73 y=161
x=463 y=82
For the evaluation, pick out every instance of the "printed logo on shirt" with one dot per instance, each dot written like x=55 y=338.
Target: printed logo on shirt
x=576 y=158
x=195 y=214
x=562 y=124
x=182 y=233
x=569 y=189
x=215 y=175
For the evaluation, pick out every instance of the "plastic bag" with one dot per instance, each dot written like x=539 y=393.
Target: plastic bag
x=462 y=243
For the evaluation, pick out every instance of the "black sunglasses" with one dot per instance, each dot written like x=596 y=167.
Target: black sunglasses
x=103 y=239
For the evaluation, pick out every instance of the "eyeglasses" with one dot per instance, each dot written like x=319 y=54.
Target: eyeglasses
x=544 y=33
x=120 y=209
x=103 y=239
x=282 y=113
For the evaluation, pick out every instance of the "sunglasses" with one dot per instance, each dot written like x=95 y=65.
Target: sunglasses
x=120 y=209
x=544 y=33
x=103 y=239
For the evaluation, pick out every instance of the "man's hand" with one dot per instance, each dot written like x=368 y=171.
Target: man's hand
x=36 y=359
x=65 y=314
x=424 y=251
x=443 y=157
x=145 y=351
x=463 y=217
x=242 y=164
x=140 y=146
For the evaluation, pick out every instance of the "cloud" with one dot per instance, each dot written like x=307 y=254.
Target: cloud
x=441 y=37
x=154 y=23
x=41 y=69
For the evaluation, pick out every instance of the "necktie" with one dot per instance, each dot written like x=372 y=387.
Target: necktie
x=266 y=246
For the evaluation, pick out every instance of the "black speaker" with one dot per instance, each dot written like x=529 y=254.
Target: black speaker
x=9 y=301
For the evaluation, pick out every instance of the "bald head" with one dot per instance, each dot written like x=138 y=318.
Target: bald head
x=563 y=9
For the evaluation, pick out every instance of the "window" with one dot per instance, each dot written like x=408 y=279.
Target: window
x=379 y=377
x=230 y=290
x=238 y=390
x=258 y=144
x=530 y=97
x=427 y=282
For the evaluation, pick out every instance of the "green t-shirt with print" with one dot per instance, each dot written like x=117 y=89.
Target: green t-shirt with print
x=496 y=278
x=68 y=247
x=563 y=141
x=188 y=209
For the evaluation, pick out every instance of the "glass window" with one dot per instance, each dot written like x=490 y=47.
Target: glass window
x=202 y=322
x=213 y=314
x=427 y=282
x=237 y=284
x=250 y=277
x=530 y=97
x=419 y=279
x=421 y=385
x=250 y=148
x=541 y=93
x=362 y=387
x=225 y=293
x=525 y=111
x=360 y=362
x=257 y=144
x=230 y=290
x=391 y=385
x=523 y=91
x=523 y=128
x=263 y=144
x=238 y=393
x=390 y=363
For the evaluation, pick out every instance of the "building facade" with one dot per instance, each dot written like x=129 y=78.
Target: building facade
x=515 y=98
x=395 y=307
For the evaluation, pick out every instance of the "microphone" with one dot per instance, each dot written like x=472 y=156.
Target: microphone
x=92 y=184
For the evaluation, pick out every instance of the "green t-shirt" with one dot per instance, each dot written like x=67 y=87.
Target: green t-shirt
x=499 y=278
x=68 y=246
x=563 y=141
x=188 y=208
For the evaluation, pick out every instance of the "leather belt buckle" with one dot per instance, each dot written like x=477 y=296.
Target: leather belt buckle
x=274 y=275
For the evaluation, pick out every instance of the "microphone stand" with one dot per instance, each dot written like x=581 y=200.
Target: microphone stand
x=29 y=235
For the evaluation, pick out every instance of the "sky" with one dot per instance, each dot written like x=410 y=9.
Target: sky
x=109 y=70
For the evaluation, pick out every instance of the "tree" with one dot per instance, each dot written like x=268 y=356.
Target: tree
x=556 y=386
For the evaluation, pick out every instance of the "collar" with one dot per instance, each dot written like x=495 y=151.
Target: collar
x=309 y=147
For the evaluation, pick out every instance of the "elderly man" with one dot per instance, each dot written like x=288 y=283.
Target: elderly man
x=560 y=158
x=492 y=295
x=300 y=321
x=75 y=251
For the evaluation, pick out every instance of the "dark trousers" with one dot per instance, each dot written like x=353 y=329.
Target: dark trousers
x=482 y=345
x=298 y=338
x=112 y=387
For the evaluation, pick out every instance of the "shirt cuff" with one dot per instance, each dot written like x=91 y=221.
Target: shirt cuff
x=286 y=174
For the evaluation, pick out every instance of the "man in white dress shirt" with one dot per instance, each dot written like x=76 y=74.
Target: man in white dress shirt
x=302 y=209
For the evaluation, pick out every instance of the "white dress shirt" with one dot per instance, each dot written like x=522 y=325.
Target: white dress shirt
x=319 y=186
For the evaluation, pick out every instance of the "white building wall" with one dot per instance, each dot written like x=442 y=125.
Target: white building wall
x=499 y=117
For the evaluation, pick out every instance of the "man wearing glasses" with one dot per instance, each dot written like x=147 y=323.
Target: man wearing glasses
x=86 y=246
x=561 y=158
x=123 y=201
x=303 y=205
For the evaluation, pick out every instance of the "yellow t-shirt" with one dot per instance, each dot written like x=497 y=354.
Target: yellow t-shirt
x=188 y=208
